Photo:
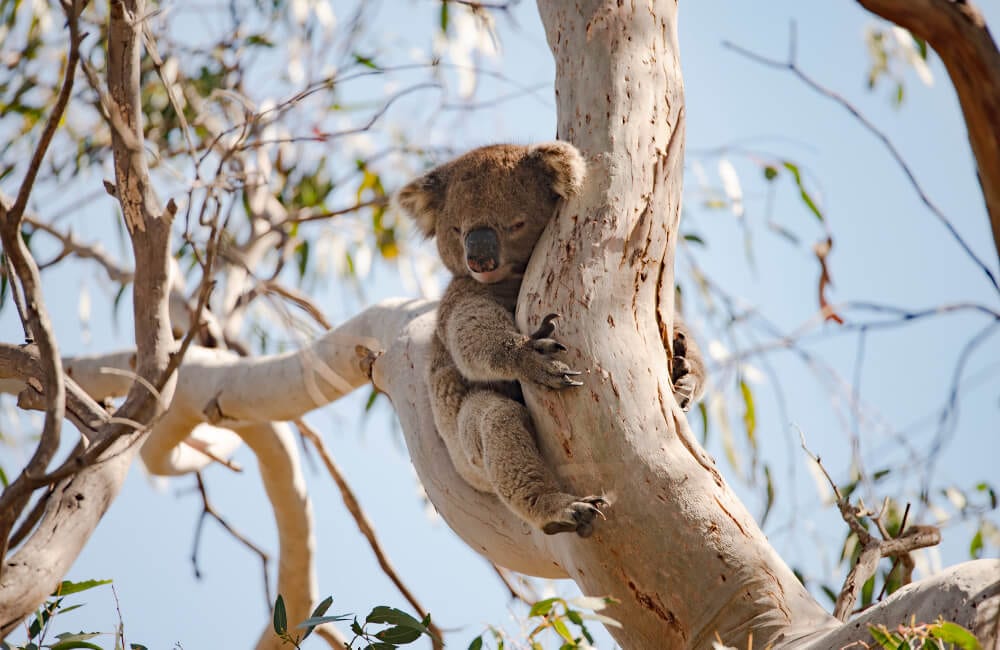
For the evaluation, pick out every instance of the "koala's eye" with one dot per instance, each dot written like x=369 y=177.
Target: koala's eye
x=456 y=230
x=517 y=226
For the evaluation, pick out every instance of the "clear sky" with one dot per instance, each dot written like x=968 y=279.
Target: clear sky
x=888 y=249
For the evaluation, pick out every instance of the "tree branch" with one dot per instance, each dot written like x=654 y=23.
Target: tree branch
x=792 y=66
x=957 y=31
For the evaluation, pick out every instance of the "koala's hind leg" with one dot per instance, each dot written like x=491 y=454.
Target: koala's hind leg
x=448 y=391
x=501 y=428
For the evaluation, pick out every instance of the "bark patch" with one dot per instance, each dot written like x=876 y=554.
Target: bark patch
x=653 y=603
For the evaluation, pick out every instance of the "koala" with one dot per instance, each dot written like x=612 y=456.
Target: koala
x=486 y=210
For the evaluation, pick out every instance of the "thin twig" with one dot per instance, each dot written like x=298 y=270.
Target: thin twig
x=71 y=245
x=792 y=66
x=872 y=548
x=364 y=525
x=208 y=510
x=72 y=8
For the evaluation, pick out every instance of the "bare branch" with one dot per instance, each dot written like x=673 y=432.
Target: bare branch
x=792 y=66
x=364 y=525
x=208 y=510
x=72 y=8
x=73 y=246
x=872 y=548
x=37 y=325
x=958 y=33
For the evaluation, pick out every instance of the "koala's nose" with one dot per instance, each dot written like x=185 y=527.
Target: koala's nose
x=482 y=250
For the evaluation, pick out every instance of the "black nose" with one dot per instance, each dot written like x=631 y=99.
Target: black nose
x=482 y=250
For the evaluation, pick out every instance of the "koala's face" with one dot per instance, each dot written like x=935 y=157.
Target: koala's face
x=488 y=208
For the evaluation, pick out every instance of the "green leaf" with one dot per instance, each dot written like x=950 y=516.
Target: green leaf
x=976 y=545
x=66 y=587
x=703 y=411
x=67 y=640
x=3 y=301
x=444 y=17
x=921 y=46
x=259 y=40
x=899 y=94
x=542 y=607
x=830 y=593
x=985 y=487
x=868 y=591
x=42 y=617
x=317 y=617
x=280 y=618
x=137 y=646
x=302 y=257
x=398 y=635
x=694 y=239
x=884 y=637
x=770 y=172
x=806 y=198
x=393 y=616
x=313 y=621
x=323 y=606
x=769 y=492
x=560 y=627
x=955 y=633
x=749 y=412
x=366 y=61
x=477 y=643
x=3 y=478
x=371 y=400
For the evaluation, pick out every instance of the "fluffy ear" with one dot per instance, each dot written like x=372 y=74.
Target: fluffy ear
x=422 y=199
x=563 y=162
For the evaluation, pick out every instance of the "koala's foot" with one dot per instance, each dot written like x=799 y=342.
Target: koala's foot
x=684 y=376
x=536 y=360
x=570 y=514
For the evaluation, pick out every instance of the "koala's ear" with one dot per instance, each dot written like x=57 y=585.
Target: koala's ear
x=563 y=163
x=422 y=199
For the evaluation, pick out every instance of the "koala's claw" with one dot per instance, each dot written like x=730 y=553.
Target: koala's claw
x=547 y=346
x=545 y=330
x=577 y=517
x=539 y=366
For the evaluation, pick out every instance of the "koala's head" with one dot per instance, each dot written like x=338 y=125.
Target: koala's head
x=488 y=208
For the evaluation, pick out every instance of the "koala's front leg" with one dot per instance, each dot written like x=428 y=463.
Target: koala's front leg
x=481 y=337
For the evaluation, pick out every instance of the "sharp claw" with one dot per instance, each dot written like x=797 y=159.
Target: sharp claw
x=572 y=373
x=571 y=382
x=561 y=347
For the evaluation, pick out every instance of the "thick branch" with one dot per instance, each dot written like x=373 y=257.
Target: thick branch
x=957 y=31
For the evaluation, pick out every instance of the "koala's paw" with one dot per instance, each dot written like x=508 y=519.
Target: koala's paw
x=575 y=516
x=537 y=363
x=685 y=380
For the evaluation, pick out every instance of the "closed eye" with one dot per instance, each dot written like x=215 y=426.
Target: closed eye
x=457 y=231
x=517 y=226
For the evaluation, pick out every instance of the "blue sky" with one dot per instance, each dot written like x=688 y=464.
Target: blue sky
x=888 y=248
